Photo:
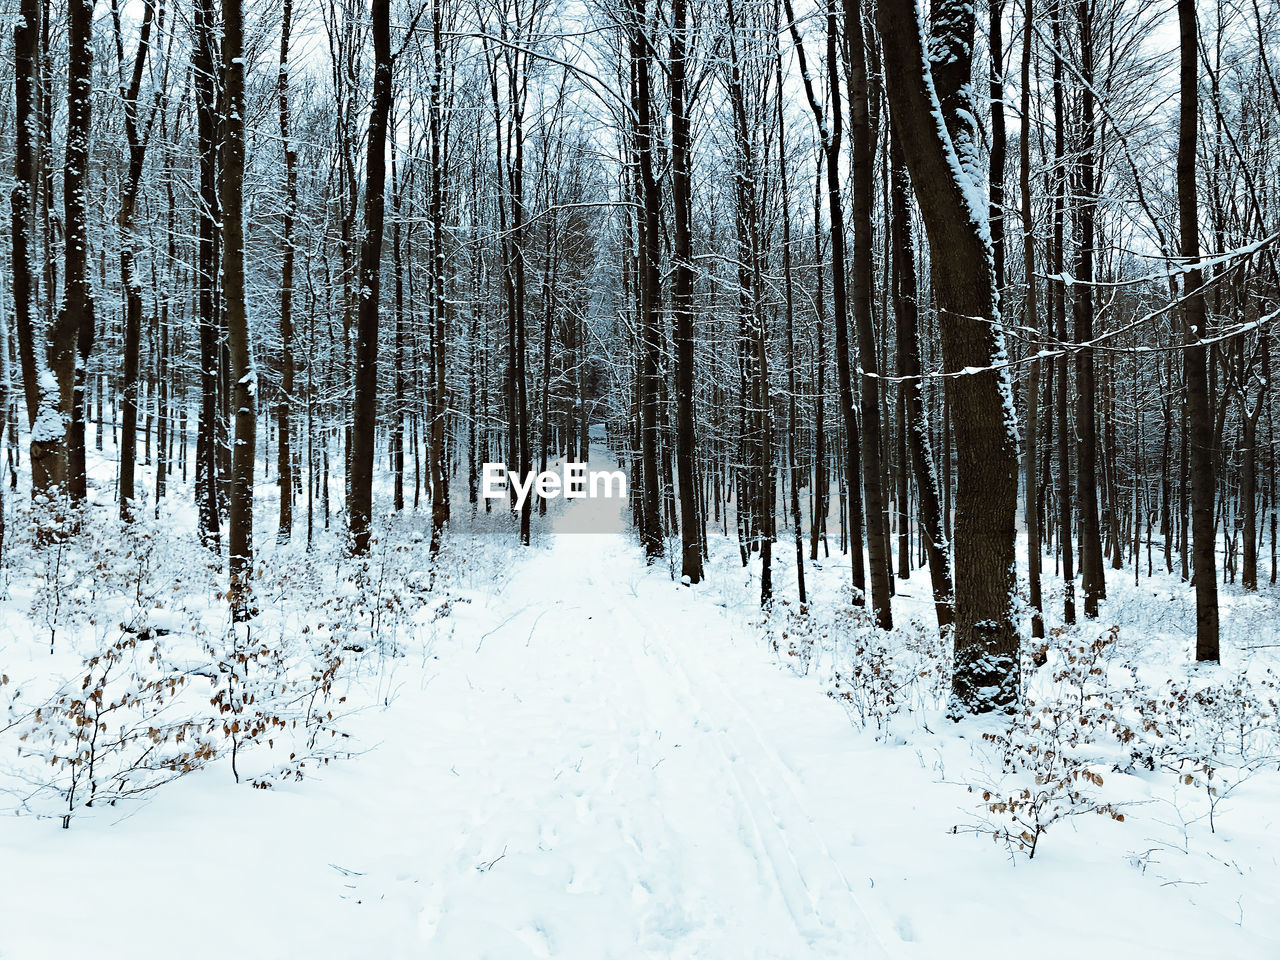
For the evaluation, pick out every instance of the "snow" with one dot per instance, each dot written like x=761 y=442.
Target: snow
x=570 y=754
x=50 y=424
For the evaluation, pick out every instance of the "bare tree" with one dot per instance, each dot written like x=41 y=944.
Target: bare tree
x=129 y=280
x=1194 y=353
x=691 y=528
x=243 y=374
x=40 y=390
x=986 y=675
x=284 y=406
x=75 y=314
x=365 y=406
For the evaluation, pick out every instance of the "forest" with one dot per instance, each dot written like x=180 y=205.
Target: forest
x=913 y=358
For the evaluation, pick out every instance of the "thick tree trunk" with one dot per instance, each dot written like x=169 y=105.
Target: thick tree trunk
x=986 y=672
x=438 y=467
x=77 y=294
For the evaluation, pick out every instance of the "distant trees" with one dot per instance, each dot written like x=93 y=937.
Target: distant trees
x=830 y=131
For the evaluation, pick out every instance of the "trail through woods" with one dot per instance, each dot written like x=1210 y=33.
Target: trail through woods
x=588 y=760
x=655 y=809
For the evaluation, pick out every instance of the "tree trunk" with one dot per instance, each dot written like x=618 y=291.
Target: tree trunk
x=284 y=407
x=1091 y=566
x=438 y=454
x=75 y=315
x=131 y=283
x=691 y=529
x=863 y=137
x=40 y=390
x=365 y=406
x=650 y=284
x=821 y=480
x=243 y=375
x=906 y=309
x=793 y=430
x=71 y=335
x=1059 y=311
x=986 y=672
x=207 y=486
x=1199 y=417
x=1031 y=490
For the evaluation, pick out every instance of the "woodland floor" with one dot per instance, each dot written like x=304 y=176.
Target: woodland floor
x=587 y=760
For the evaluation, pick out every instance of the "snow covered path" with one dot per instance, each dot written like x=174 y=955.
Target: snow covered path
x=585 y=760
x=632 y=792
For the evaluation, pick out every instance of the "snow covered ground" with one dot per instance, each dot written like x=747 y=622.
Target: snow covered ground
x=584 y=759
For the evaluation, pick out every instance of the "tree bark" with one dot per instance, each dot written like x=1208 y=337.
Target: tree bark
x=40 y=390
x=1031 y=489
x=793 y=429
x=72 y=333
x=1199 y=416
x=438 y=467
x=75 y=314
x=365 y=406
x=986 y=674
x=243 y=375
x=863 y=137
x=284 y=406
x=130 y=282
x=207 y=486
x=1091 y=566
x=1059 y=312
x=691 y=530
x=650 y=284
